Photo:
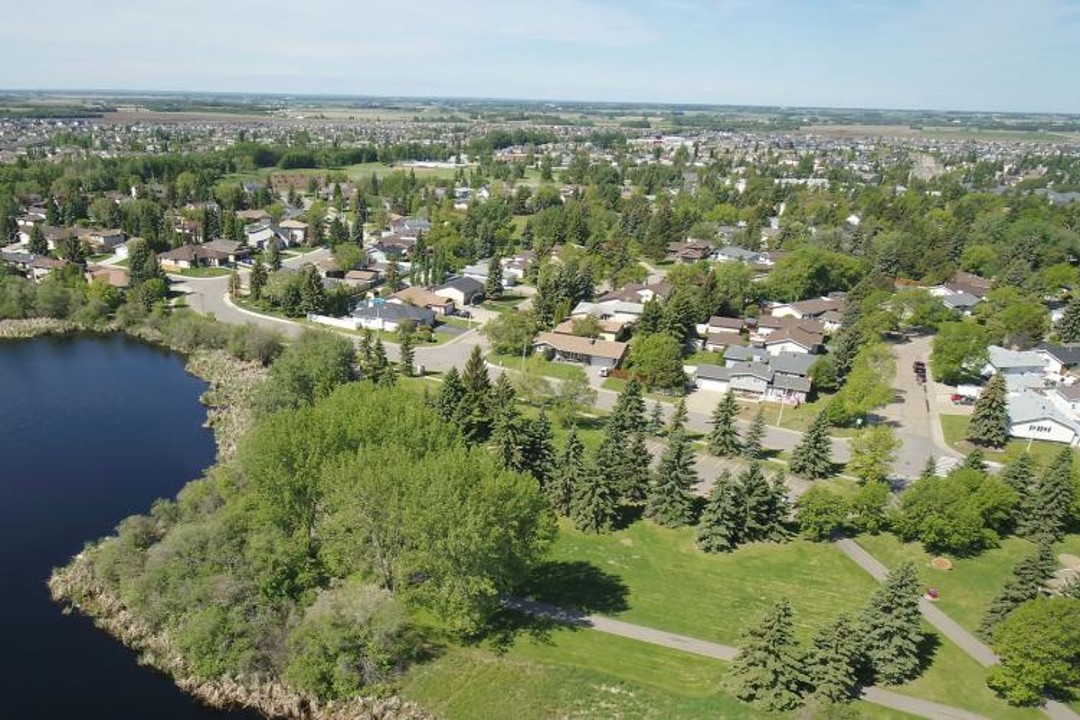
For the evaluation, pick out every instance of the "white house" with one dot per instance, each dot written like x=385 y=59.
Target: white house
x=1014 y=362
x=792 y=340
x=733 y=253
x=462 y=290
x=1032 y=415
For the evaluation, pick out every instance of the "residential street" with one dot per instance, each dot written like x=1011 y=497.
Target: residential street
x=913 y=412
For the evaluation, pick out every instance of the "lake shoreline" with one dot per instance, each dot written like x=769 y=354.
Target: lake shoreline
x=76 y=587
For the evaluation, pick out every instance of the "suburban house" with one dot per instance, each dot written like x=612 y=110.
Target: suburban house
x=753 y=381
x=518 y=266
x=254 y=216
x=1059 y=358
x=424 y=298
x=103 y=241
x=792 y=364
x=410 y=226
x=637 y=293
x=1033 y=415
x=733 y=253
x=260 y=235
x=614 y=310
x=389 y=316
x=761 y=328
x=362 y=279
x=56 y=235
x=808 y=309
x=793 y=340
x=1014 y=362
x=34 y=267
x=295 y=230
x=394 y=247
x=115 y=276
x=742 y=353
x=481 y=268
x=462 y=290
x=689 y=252
x=609 y=329
x=216 y=253
x=595 y=353
x=961 y=302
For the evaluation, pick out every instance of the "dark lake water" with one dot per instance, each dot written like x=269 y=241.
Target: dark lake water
x=91 y=430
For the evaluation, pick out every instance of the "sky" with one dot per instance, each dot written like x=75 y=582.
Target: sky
x=1003 y=55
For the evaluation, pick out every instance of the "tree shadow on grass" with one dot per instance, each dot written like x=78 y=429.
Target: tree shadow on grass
x=577 y=584
x=557 y=595
x=928 y=650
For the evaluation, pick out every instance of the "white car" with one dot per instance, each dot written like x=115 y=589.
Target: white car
x=604 y=372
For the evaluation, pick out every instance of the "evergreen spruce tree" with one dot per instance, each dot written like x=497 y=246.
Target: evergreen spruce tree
x=257 y=282
x=476 y=411
x=38 y=244
x=678 y=417
x=929 y=469
x=1028 y=582
x=768 y=670
x=234 y=284
x=629 y=410
x=1020 y=476
x=764 y=505
x=670 y=502
x=381 y=371
x=539 y=450
x=594 y=507
x=635 y=474
x=493 y=287
x=1069 y=326
x=407 y=350
x=651 y=320
x=1050 y=508
x=975 y=460
x=509 y=438
x=848 y=343
x=755 y=436
x=312 y=292
x=989 y=424
x=451 y=398
x=273 y=255
x=722 y=522
x=655 y=424
x=812 y=457
x=569 y=470
x=833 y=662
x=724 y=436
x=891 y=627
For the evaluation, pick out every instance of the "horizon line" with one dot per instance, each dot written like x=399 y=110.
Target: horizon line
x=142 y=92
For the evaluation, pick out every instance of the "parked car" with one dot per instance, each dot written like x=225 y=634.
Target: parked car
x=958 y=399
x=604 y=372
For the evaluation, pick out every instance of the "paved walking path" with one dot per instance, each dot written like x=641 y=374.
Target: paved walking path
x=948 y=627
x=704 y=648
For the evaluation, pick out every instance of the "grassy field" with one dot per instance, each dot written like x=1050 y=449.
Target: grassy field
x=657 y=577
x=582 y=674
x=559 y=370
x=954 y=427
x=967 y=589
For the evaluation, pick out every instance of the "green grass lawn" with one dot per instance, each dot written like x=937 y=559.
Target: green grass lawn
x=582 y=674
x=705 y=357
x=615 y=384
x=205 y=272
x=792 y=417
x=967 y=589
x=508 y=301
x=954 y=427
x=658 y=577
x=559 y=370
